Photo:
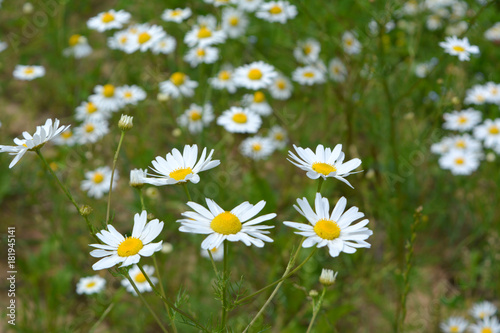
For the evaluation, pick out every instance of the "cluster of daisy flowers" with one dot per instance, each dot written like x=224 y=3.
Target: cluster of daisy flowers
x=484 y=320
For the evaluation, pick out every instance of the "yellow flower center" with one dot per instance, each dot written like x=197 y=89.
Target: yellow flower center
x=127 y=94
x=240 y=118
x=281 y=84
x=307 y=49
x=213 y=250
x=200 y=52
x=107 y=17
x=279 y=136
x=204 y=32
x=108 y=90
x=462 y=120
x=67 y=134
x=178 y=78
x=91 y=108
x=349 y=41
x=459 y=161
x=98 y=178
x=323 y=168
x=29 y=70
x=89 y=128
x=180 y=173
x=275 y=10
x=254 y=74
x=458 y=48
x=327 y=229
x=454 y=329
x=226 y=224
x=308 y=74
x=143 y=37
x=194 y=115
x=73 y=40
x=140 y=278
x=129 y=247
x=494 y=130
x=90 y=284
x=257 y=147
x=460 y=144
x=336 y=70
x=176 y=12
x=259 y=97
x=234 y=21
x=123 y=40
x=224 y=75
x=480 y=98
x=486 y=330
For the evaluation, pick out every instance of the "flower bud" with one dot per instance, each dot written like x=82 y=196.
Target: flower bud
x=327 y=277
x=137 y=177
x=125 y=122
x=85 y=210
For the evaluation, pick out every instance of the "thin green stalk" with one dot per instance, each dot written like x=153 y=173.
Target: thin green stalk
x=213 y=263
x=167 y=308
x=225 y=279
x=316 y=309
x=101 y=318
x=184 y=185
x=141 y=197
x=113 y=175
x=320 y=184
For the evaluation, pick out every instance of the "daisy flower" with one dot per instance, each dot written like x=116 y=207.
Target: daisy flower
x=234 y=22
x=67 y=138
x=493 y=33
x=307 y=51
x=89 y=111
x=220 y=225
x=224 y=80
x=460 y=162
x=217 y=253
x=176 y=15
x=165 y=45
x=28 y=73
x=90 y=285
x=256 y=75
x=140 y=280
x=324 y=163
x=257 y=103
x=207 y=21
x=464 y=120
x=489 y=132
x=42 y=135
x=476 y=95
x=308 y=76
x=91 y=131
x=127 y=250
x=337 y=70
x=239 y=120
x=454 y=325
x=257 y=148
x=459 y=47
x=178 y=85
x=145 y=38
x=97 y=182
x=276 y=11
x=350 y=43
x=131 y=94
x=78 y=47
x=493 y=90
x=465 y=142
x=108 y=20
x=201 y=55
x=443 y=146
x=105 y=98
x=181 y=168
x=278 y=136
x=483 y=310
x=204 y=36
x=121 y=41
x=281 y=88
x=335 y=230
x=137 y=177
x=249 y=5
x=196 y=117
x=327 y=277
x=487 y=325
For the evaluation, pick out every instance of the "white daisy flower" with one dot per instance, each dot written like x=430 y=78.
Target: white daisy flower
x=308 y=76
x=235 y=225
x=464 y=120
x=196 y=117
x=97 y=182
x=307 y=51
x=281 y=88
x=476 y=95
x=483 y=310
x=257 y=148
x=276 y=11
x=90 y=285
x=181 y=168
x=487 y=325
x=337 y=70
x=224 y=80
x=121 y=41
x=489 y=132
x=249 y=5
x=442 y=147
x=176 y=15
x=460 y=162
x=327 y=277
x=108 y=20
x=324 y=163
x=105 y=98
x=131 y=94
x=350 y=43
x=465 y=142
x=256 y=75
x=42 y=135
x=454 y=325
x=89 y=111
x=67 y=138
x=239 y=120
x=201 y=55
x=335 y=230
x=91 y=131
x=206 y=21
x=127 y=250
x=28 y=73
x=234 y=22
x=137 y=177
x=178 y=85
x=278 y=136
x=257 y=103
x=493 y=90
x=459 y=47
x=140 y=280
x=493 y=33
x=145 y=38
x=217 y=253
x=78 y=47
x=165 y=45
x=204 y=36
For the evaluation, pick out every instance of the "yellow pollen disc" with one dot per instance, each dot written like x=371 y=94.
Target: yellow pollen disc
x=180 y=174
x=281 y=84
x=336 y=70
x=123 y=40
x=460 y=144
x=307 y=49
x=349 y=42
x=204 y=32
x=278 y=137
x=234 y=21
x=200 y=52
x=127 y=94
x=259 y=97
x=91 y=108
x=257 y=147
x=454 y=329
x=29 y=70
x=90 y=284
x=143 y=37
x=107 y=17
x=494 y=130
x=308 y=74
x=323 y=168
x=327 y=229
x=98 y=178
x=486 y=330
x=254 y=74
x=226 y=224
x=73 y=40
x=108 y=90
x=275 y=10
x=224 y=75
x=67 y=134
x=140 y=278
x=240 y=118
x=458 y=48
x=178 y=78
x=459 y=161
x=89 y=128
x=213 y=250
x=133 y=31
x=176 y=13
x=462 y=120
x=194 y=115
x=480 y=98
x=129 y=247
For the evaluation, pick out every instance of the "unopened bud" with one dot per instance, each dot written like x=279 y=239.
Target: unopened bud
x=313 y=293
x=490 y=157
x=162 y=97
x=137 y=177
x=176 y=132
x=167 y=248
x=28 y=8
x=85 y=210
x=125 y=122
x=152 y=192
x=327 y=277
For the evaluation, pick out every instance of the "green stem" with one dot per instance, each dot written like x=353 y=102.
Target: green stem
x=184 y=185
x=141 y=197
x=101 y=318
x=163 y=292
x=316 y=310
x=225 y=279
x=213 y=263
x=113 y=175
x=320 y=184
